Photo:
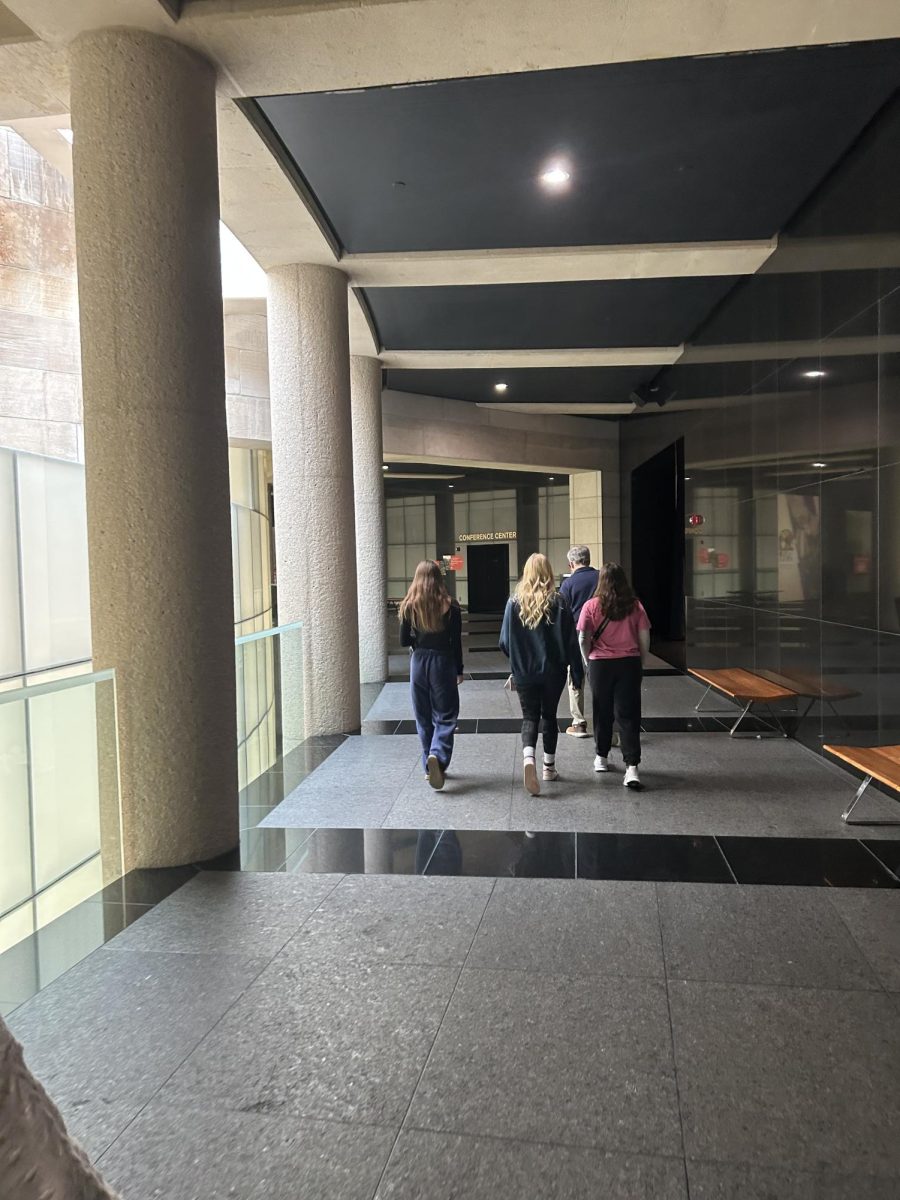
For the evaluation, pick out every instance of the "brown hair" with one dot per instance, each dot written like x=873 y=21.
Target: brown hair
x=425 y=603
x=617 y=600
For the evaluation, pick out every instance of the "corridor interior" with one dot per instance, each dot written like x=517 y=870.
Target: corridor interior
x=693 y=991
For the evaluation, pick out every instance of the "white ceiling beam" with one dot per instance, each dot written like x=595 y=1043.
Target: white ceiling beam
x=556 y=264
x=611 y=409
x=449 y=360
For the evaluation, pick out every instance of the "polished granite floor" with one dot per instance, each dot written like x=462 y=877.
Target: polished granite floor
x=368 y=1036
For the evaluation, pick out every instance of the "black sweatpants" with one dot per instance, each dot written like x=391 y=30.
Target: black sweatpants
x=616 y=693
x=540 y=702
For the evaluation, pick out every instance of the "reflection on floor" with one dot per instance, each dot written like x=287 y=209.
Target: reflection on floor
x=368 y=1035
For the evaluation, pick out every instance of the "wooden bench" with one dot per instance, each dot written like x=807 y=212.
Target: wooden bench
x=875 y=762
x=745 y=689
x=808 y=686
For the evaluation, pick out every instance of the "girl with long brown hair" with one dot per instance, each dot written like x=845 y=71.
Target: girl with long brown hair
x=430 y=623
x=538 y=637
x=614 y=635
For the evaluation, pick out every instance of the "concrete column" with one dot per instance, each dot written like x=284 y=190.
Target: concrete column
x=312 y=459
x=156 y=450
x=371 y=518
x=586 y=513
x=528 y=525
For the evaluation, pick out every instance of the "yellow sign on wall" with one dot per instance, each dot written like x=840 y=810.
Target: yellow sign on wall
x=508 y=536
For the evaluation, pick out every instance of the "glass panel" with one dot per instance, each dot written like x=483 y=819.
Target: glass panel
x=10 y=628
x=53 y=530
x=15 y=844
x=270 y=700
x=59 y=798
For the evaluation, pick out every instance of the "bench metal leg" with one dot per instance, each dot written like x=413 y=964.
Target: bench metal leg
x=845 y=816
x=774 y=730
x=711 y=711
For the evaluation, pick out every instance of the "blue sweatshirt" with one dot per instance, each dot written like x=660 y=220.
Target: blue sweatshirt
x=547 y=650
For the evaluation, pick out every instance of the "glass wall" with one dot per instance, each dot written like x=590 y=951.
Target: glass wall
x=553 y=525
x=793 y=457
x=44 y=597
x=410 y=539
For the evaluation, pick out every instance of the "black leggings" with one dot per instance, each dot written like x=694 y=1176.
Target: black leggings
x=540 y=702
x=616 y=693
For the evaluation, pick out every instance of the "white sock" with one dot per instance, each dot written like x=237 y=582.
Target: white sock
x=549 y=759
x=528 y=753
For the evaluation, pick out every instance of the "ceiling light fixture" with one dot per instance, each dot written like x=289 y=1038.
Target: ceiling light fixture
x=820 y=465
x=450 y=486
x=814 y=374
x=500 y=387
x=555 y=176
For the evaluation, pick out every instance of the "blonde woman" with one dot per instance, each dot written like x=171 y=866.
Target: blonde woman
x=430 y=623
x=538 y=637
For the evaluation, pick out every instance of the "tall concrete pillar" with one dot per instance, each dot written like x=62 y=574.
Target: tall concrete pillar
x=312 y=459
x=371 y=518
x=156 y=448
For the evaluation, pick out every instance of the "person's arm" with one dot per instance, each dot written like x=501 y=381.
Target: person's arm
x=455 y=630
x=406 y=634
x=586 y=630
x=644 y=643
x=643 y=633
x=505 y=629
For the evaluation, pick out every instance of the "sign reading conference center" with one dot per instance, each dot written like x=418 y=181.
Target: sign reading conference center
x=508 y=535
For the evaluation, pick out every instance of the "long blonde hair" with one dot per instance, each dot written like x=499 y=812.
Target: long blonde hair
x=536 y=591
x=427 y=600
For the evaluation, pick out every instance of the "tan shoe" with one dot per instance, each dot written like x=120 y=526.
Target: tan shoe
x=577 y=729
x=532 y=786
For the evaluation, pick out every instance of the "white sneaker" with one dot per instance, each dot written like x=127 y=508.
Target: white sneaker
x=435 y=774
x=530 y=778
x=550 y=773
x=601 y=763
x=632 y=779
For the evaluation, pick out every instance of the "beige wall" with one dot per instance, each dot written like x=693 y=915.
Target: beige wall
x=40 y=383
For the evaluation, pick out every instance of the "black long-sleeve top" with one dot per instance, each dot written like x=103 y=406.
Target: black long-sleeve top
x=552 y=647
x=445 y=641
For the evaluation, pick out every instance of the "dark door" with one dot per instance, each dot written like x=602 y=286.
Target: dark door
x=657 y=540
x=488 y=577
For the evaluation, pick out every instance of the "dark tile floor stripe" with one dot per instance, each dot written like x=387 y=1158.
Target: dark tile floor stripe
x=805 y=862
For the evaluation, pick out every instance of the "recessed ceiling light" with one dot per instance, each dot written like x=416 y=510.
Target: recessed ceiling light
x=555 y=176
x=814 y=374
x=551 y=477
x=450 y=486
x=500 y=387
x=67 y=134
x=820 y=465
x=687 y=478
x=385 y=467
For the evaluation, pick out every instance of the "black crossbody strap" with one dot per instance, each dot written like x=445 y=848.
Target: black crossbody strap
x=599 y=632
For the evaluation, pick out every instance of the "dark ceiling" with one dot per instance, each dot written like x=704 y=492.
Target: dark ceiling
x=549 y=316
x=541 y=385
x=671 y=150
x=473 y=479
x=704 y=149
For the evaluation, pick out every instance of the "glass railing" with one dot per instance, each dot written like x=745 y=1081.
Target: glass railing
x=59 y=799
x=270 y=705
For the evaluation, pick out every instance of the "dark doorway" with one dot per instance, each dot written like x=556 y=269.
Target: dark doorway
x=488 y=577
x=657 y=541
